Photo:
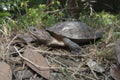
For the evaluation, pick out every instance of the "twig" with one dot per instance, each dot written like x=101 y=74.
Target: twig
x=34 y=77
x=57 y=61
x=91 y=10
x=91 y=57
x=109 y=36
x=39 y=67
x=78 y=68
x=11 y=42
x=7 y=47
x=94 y=74
x=57 y=54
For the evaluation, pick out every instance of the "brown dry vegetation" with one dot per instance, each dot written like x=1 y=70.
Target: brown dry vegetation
x=57 y=63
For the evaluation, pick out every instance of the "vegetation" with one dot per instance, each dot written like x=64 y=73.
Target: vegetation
x=27 y=13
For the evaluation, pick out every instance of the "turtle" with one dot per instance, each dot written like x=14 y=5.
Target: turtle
x=68 y=33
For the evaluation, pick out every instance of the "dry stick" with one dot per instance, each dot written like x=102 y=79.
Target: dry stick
x=56 y=54
x=7 y=48
x=21 y=76
x=21 y=50
x=57 y=61
x=109 y=36
x=40 y=67
x=23 y=66
x=34 y=77
x=94 y=74
x=70 y=68
x=91 y=10
x=11 y=42
x=90 y=68
x=78 y=68
x=75 y=71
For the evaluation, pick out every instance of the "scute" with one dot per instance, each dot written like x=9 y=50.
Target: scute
x=73 y=30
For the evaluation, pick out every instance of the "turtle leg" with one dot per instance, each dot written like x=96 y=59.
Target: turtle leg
x=74 y=47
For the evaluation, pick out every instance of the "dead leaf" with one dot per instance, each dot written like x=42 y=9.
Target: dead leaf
x=115 y=72
x=5 y=71
x=26 y=37
x=38 y=59
x=93 y=65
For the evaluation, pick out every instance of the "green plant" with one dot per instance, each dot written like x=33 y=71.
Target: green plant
x=40 y=14
x=98 y=20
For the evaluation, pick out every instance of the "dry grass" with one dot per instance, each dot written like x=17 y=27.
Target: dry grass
x=73 y=67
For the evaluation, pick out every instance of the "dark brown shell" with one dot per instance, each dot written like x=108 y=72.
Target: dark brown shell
x=74 y=30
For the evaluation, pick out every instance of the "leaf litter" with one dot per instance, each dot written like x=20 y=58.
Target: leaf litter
x=26 y=59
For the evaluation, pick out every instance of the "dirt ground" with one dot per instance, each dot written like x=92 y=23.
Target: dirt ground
x=34 y=61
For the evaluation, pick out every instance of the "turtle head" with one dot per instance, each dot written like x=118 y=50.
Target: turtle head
x=41 y=34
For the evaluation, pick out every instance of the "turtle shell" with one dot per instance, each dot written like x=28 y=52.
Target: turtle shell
x=74 y=30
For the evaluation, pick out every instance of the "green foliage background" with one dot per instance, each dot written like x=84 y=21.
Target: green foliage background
x=21 y=14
